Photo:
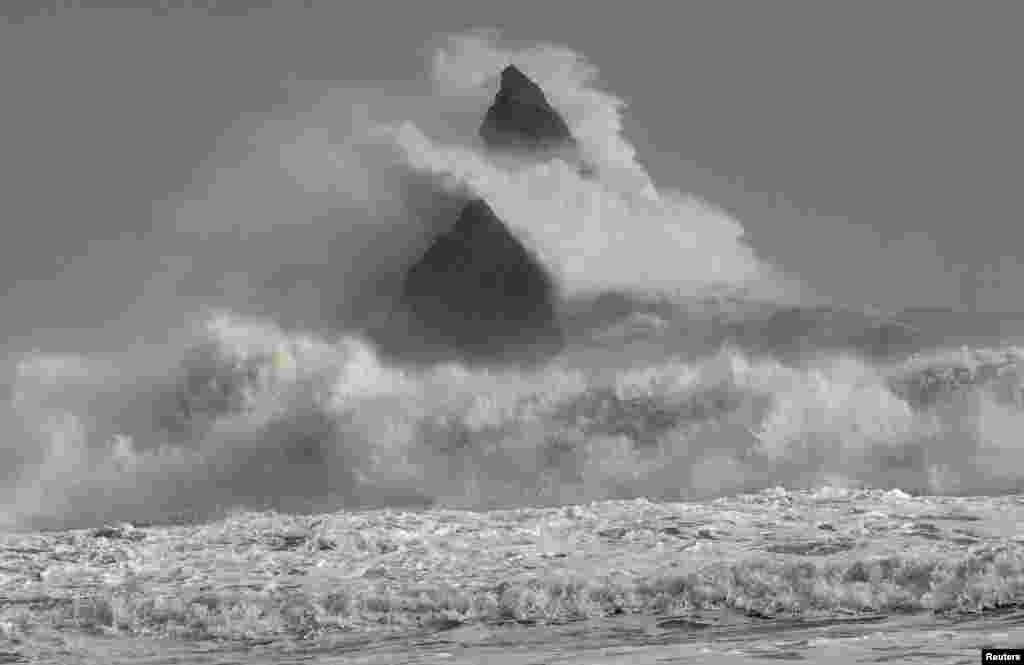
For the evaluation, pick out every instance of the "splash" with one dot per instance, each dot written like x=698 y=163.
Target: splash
x=244 y=371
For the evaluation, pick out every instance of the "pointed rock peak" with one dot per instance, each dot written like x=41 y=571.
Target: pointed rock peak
x=512 y=75
x=481 y=292
x=476 y=214
x=521 y=116
x=516 y=84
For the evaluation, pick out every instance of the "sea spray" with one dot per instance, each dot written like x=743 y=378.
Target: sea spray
x=289 y=421
x=241 y=372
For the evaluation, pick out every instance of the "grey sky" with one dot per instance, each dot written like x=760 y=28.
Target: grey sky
x=873 y=148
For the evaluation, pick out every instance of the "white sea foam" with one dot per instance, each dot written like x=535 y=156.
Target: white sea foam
x=241 y=375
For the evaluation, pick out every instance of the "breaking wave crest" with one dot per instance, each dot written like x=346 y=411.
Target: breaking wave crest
x=253 y=416
x=297 y=234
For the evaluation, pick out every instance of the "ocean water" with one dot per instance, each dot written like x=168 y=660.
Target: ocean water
x=242 y=371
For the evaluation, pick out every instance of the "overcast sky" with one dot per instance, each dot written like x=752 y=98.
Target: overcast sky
x=873 y=148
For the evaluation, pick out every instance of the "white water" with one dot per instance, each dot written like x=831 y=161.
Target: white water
x=238 y=373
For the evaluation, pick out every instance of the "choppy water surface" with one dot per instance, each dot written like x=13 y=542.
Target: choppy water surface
x=642 y=640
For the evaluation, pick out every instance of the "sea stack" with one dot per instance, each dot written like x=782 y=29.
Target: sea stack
x=478 y=290
x=521 y=117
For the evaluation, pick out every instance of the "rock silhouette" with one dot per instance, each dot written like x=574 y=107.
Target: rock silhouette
x=521 y=116
x=477 y=289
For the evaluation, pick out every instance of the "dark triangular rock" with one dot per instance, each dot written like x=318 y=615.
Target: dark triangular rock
x=478 y=290
x=521 y=116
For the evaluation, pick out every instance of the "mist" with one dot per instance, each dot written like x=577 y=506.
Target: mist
x=237 y=364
